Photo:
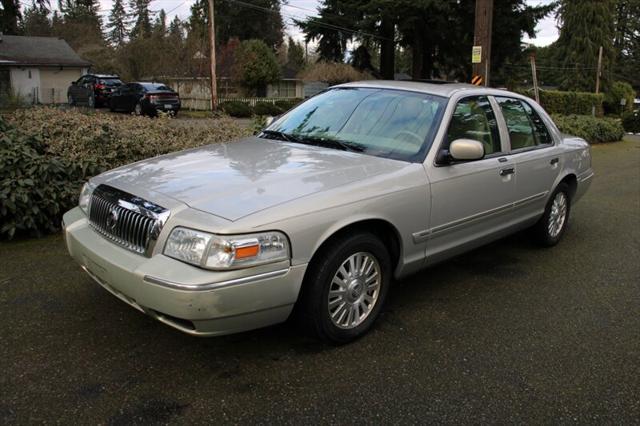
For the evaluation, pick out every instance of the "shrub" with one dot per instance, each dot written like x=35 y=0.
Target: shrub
x=286 y=105
x=619 y=90
x=592 y=129
x=46 y=154
x=237 y=109
x=631 y=122
x=557 y=102
x=35 y=188
x=266 y=108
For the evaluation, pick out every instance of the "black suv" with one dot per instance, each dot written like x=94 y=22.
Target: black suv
x=92 y=90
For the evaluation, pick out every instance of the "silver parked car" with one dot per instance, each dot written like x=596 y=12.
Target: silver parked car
x=359 y=185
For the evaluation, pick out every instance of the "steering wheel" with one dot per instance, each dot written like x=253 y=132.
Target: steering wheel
x=415 y=136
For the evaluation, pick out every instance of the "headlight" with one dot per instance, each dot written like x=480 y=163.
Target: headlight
x=226 y=251
x=85 y=197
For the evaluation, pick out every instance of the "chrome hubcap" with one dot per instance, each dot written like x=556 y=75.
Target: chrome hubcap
x=558 y=215
x=354 y=290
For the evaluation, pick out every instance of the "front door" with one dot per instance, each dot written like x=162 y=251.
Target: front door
x=470 y=201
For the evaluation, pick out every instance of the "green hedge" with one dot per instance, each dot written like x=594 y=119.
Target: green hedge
x=591 y=129
x=266 y=108
x=288 y=104
x=237 y=109
x=558 y=102
x=35 y=188
x=631 y=122
x=46 y=154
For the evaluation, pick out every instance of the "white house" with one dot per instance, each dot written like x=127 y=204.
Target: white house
x=38 y=69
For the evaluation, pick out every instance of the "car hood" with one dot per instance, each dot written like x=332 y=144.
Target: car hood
x=233 y=180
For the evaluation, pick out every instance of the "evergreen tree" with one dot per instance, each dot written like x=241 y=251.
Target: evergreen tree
x=141 y=18
x=627 y=42
x=260 y=21
x=439 y=34
x=117 y=24
x=295 y=55
x=585 y=25
x=160 y=25
x=80 y=23
x=36 y=21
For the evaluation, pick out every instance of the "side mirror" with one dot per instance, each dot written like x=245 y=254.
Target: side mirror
x=466 y=150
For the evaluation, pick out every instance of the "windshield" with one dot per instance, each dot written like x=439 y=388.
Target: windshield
x=155 y=86
x=110 y=81
x=386 y=123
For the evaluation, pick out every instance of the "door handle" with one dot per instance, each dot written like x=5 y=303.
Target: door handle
x=554 y=161
x=509 y=171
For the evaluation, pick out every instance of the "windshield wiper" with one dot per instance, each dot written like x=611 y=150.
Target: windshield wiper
x=281 y=135
x=335 y=143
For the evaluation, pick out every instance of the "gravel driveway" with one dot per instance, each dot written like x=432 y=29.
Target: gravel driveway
x=507 y=333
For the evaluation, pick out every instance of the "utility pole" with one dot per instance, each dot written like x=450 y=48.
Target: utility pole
x=212 y=56
x=534 y=75
x=481 y=57
x=599 y=70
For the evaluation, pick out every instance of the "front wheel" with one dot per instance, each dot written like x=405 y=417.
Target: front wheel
x=345 y=287
x=553 y=223
x=72 y=101
x=91 y=102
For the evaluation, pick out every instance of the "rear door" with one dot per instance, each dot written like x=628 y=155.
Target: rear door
x=535 y=153
x=472 y=200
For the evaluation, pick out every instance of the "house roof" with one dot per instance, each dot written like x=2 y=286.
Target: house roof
x=48 y=51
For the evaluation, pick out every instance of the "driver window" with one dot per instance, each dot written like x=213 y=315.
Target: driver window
x=474 y=119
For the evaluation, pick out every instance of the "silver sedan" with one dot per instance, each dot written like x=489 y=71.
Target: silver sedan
x=314 y=217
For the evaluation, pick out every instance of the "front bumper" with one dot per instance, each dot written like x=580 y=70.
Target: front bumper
x=190 y=299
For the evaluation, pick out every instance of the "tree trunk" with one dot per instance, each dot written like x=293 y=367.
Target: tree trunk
x=417 y=56
x=387 y=50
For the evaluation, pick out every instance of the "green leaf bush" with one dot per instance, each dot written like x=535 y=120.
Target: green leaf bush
x=559 y=102
x=266 y=108
x=237 y=109
x=286 y=105
x=631 y=122
x=46 y=154
x=619 y=90
x=591 y=129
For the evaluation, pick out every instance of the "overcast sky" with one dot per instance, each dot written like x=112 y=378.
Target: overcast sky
x=546 y=30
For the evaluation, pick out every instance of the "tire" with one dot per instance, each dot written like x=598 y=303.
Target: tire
x=337 y=306
x=91 y=101
x=555 y=220
x=71 y=101
x=137 y=109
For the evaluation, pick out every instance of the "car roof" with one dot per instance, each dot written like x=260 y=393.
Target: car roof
x=104 y=76
x=439 y=89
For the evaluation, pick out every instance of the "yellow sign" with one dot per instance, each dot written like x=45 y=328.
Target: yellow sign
x=476 y=54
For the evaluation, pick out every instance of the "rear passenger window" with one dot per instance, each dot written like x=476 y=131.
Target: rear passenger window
x=474 y=119
x=526 y=128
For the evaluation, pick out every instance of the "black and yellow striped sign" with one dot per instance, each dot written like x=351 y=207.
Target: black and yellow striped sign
x=477 y=80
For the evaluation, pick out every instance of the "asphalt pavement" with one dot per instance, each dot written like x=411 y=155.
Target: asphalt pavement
x=507 y=333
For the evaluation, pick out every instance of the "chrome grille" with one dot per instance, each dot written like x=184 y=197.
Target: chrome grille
x=125 y=219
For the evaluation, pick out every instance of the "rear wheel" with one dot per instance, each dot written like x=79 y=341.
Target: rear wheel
x=553 y=223
x=345 y=287
x=71 y=101
x=91 y=102
x=137 y=109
